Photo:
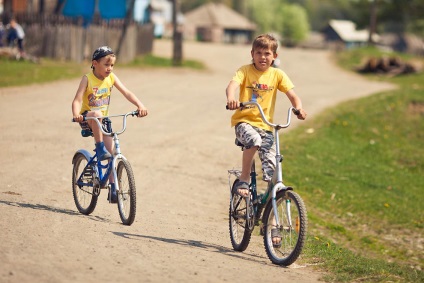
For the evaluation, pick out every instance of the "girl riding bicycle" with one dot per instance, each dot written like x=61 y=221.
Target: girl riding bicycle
x=92 y=100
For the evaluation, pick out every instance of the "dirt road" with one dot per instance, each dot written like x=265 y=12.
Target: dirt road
x=179 y=153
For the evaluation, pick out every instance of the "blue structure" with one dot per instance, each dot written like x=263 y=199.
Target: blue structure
x=107 y=9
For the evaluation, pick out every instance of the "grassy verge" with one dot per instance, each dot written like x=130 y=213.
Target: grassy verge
x=359 y=168
x=16 y=73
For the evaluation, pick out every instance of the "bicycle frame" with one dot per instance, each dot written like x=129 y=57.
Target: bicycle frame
x=277 y=179
x=111 y=165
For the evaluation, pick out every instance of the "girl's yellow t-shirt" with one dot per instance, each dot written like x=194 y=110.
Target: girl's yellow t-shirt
x=260 y=87
x=97 y=94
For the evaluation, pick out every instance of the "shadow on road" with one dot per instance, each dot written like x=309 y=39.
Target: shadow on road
x=52 y=209
x=200 y=245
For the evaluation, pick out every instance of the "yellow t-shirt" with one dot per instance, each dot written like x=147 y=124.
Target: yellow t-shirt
x=97 y=94
x=262 y=87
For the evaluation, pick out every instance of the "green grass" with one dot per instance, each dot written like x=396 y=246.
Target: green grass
x=16 y=73
x=361 y=174
x=154 y=61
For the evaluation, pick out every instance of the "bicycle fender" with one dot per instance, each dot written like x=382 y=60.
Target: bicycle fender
x=83 y=152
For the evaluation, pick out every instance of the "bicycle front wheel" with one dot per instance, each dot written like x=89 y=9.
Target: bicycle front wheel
x=82 y=188
x=127 y=192
x=240 y=231
x=292 y=227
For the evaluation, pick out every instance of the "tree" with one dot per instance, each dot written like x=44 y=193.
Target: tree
x=295 y=24
x=289 y=21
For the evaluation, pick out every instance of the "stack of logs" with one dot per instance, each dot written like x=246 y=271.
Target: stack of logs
x=392 y=66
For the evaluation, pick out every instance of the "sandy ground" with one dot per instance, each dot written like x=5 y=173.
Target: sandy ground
x=179 y=154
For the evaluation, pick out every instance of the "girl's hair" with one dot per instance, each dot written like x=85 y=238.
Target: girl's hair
x=265 y=41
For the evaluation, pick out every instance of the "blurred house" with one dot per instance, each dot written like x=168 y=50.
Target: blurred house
x=215 y=22
x=406 y=43
x=341 y=34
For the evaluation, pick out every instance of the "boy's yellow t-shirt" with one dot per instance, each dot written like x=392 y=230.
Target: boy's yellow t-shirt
x=262 y=87
x=97 y=94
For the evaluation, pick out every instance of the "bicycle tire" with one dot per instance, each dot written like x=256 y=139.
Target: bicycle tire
x=240 y=233
x=127 y=192
x=84 y=198
x=293 y=238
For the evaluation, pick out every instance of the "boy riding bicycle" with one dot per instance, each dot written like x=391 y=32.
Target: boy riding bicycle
x=258 y=82
x=92 y=100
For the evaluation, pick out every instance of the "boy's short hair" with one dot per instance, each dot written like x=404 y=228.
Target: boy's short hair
x=265 y=41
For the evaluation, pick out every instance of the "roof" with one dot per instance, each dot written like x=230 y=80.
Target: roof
x=347 y=31
x=218 y=15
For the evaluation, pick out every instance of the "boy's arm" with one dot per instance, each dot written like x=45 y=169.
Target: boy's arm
x=231 y=95
x=297 y=103
x=142 y=110
x=77 y=102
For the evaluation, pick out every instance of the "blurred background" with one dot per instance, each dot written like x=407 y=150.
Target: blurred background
x=71 y=29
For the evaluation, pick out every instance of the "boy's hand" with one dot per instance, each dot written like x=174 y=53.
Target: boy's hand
x=301 y=115
x=142 y=111
x=78 y=118
x=233 y=104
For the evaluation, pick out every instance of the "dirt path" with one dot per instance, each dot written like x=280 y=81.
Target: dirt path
x=179 y=153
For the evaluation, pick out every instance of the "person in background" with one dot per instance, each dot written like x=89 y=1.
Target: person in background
x=16 y=34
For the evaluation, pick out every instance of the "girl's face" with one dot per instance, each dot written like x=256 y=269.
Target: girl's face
x=104 y=66
x=263 y=58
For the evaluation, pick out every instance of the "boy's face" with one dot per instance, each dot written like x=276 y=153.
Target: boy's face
x=104 y=66
x=263 y=58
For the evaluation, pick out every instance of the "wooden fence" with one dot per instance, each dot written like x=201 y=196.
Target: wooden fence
x=67 y=39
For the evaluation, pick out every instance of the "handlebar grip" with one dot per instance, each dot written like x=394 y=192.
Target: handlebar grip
x=296 y=111
x=241 y=105
x=83 y=119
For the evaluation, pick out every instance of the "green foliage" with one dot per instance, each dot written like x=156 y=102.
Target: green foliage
x=392 y=15
x=360 y=169
x=287 y=20
x=295 y=24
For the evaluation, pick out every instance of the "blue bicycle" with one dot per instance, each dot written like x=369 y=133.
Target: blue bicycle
x=90 y=176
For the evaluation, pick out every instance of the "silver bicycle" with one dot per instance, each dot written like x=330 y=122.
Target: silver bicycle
x=284 y=216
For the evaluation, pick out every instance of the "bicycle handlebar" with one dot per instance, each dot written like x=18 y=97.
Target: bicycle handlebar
x=276 y=126
x=124 y=121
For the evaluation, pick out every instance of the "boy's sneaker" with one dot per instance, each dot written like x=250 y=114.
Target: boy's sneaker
x=102 y=153
x=112 y=193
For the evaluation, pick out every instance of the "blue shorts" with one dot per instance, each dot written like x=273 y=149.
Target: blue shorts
x=86 y=130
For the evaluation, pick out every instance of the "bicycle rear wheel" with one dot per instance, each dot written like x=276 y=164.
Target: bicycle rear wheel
x=127 y=192
x=84 y=198
x=240 y=230
x=293 y=225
